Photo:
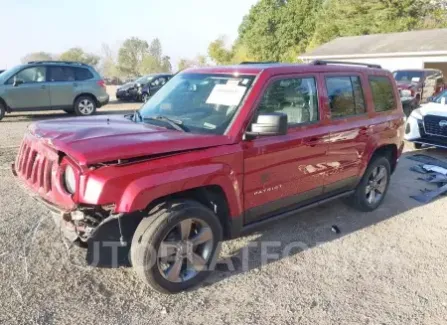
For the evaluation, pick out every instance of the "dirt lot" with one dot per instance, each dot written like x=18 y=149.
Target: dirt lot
x=385 y=267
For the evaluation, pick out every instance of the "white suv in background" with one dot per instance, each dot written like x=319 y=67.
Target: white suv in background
x=428 y=124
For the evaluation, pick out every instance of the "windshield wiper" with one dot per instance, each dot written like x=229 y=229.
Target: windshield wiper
x=176 y=124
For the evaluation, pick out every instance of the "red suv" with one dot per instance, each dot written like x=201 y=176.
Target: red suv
x=217 y=151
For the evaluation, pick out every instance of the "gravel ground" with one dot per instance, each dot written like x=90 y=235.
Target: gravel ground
x=385 y=267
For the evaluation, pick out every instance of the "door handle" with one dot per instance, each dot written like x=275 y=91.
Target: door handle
x=75 y=84
x=43 y=87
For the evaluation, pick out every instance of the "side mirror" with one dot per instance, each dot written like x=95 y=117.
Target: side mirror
x=268 y=124
x=17 y=82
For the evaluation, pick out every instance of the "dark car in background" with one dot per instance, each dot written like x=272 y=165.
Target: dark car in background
x=142 y=88
x=417 y=86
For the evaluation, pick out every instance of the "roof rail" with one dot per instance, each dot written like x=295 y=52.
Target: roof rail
x=57 y=62
x=255 y=62
x=324 y=62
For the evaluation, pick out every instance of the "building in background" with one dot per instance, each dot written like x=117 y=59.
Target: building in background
x=424 y=49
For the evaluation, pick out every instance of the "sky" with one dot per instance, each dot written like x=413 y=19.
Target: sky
x=184 y=27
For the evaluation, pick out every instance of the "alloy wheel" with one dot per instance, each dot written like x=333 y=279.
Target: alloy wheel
x=185 y=251
x=377 y=184
x=86 y=107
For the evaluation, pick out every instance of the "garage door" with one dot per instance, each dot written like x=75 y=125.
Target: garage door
x=437 y=65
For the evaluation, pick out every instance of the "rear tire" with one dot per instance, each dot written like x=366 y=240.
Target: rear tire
x=174 y=271
x=2 y=110
x=85 y=106
x=371 y=190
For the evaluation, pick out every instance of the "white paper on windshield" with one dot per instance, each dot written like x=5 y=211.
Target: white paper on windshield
x=228 y=95
x=415 y=79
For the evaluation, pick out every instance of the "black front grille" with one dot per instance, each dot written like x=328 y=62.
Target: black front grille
x=432 y=125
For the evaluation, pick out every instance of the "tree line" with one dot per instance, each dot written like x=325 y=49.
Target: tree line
x=135 y=57
x=273 y=30
x=281 y=30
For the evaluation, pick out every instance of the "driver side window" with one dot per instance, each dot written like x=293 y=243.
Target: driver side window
x=295 y=97
x=30 y=75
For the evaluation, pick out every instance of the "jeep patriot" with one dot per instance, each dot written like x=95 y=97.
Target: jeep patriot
x=216 y=152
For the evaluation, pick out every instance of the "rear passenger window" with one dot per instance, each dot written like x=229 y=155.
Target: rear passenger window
x=83 y=74
x=61 y=74
x=345 y=96
x=383 y=94
x=295 y=97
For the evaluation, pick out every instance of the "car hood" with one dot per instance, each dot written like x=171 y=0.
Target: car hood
x=434 y=109
x=97 y=139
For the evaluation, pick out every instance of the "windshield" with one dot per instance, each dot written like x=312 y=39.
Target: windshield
x=203 y=103
x=9 y=73
x=408 y=76
x=437 y=98
x=144 y=80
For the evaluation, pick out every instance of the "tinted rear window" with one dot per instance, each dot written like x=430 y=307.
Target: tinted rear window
x=83 y=74
x=383 y=94
x=345 y=96
x=61 y=73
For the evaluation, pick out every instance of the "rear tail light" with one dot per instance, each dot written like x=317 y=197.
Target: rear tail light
x=102 y=84
x=412 y=92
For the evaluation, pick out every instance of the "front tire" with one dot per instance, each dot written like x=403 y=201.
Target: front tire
x=174 y=246
x=85 y=106
x=374 y=185
x=2 y=110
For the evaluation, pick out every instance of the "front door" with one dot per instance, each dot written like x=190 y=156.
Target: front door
x=63 y=86
x=284 y=172
x=28 y=89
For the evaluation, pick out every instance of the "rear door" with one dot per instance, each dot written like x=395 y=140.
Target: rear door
x=32 y=92
x=283 y=172
x=349 y=129
x=62 y=86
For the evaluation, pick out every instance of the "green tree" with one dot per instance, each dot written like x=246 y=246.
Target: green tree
x=184 y=64
x=108 y=66
x=155 y=49
x=131 y=55
x=166 y=65
x=218 y=52
x=198 y=61
x=273 y=30
x=78 y=55
x=360 y=17
x=37 y=56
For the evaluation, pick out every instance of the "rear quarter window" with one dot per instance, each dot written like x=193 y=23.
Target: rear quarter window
x=83 y=74
x=383 y=93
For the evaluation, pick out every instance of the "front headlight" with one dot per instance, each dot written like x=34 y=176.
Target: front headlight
x=70 y=179
x=417 y=114
x=405 y=93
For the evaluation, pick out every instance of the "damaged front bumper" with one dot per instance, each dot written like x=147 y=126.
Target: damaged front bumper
x=78 y=224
